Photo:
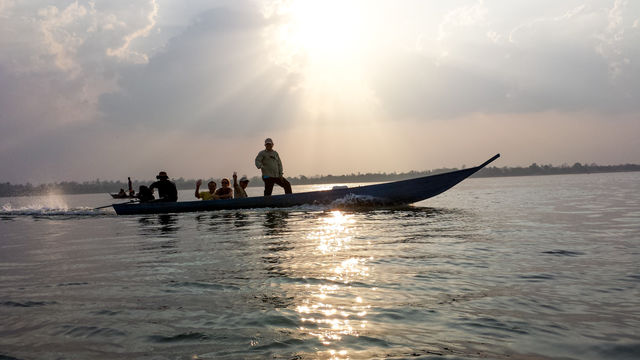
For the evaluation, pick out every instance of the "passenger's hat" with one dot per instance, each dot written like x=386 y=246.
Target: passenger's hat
x=268 y=141
x=244 y=178
x=162 y=175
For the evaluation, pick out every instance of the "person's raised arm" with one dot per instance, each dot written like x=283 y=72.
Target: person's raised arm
x=198 y=183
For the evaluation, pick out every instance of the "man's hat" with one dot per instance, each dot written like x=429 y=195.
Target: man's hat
x=162 y=175
x=244 y=178
x=268 y=141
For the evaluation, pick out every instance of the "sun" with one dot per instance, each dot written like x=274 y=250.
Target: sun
x=325 y=29
x=319 y=33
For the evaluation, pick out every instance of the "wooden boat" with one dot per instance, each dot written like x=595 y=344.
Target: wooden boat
x=125 y=195
x=388 y=194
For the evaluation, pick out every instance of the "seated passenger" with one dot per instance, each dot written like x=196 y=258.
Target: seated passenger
x=238 y=190
x=225 y=192
x=205 y=195
x=167 y=190
x=145 y=194
x=122 y=193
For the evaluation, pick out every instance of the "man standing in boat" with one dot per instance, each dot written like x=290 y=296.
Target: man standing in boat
x=269 y=162
x=132 y=193
x=167 y=190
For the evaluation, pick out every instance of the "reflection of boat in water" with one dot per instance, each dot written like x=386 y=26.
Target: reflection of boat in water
x=388 y=194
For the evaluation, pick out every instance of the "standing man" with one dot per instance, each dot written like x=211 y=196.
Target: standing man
x=269 y=162
x=167 y=190
x=131 y=192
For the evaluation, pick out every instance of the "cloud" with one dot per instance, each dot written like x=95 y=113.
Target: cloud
x=53 y=70
x=551 y=63
x=125 y=52
x=464 y=16
x=81 y=83
x=215 y=76
x=67 y=104
x=53 y=63
x=5 y=7
x=417 y=87
x=59 y=40
x=612 y=45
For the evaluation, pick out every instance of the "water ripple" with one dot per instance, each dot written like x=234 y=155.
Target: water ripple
x=563 y=253
x=180 y=338
x=27 y=304
x=89 y=331
x=496 y=268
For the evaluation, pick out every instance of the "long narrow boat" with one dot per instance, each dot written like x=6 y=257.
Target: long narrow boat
x=388 y=194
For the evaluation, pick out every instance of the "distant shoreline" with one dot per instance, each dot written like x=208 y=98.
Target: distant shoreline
x=97 y=186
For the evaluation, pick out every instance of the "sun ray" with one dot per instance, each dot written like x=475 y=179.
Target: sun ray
x=324 y=42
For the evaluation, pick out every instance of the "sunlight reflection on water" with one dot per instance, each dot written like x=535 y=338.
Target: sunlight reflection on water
x=334 y=235
x=332 y=311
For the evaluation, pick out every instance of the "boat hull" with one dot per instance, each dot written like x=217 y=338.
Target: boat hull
x=118 y=196
x=388 y=194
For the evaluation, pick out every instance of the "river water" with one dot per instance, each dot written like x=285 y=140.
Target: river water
x=541 y=267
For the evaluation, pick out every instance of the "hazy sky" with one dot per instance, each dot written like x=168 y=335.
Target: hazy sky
x=110 y=89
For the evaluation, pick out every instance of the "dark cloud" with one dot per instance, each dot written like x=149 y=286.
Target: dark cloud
x=215 y=76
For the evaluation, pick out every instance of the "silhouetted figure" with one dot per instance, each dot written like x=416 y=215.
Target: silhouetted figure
x=269 y=162
x=145 y=194
x=167 y=190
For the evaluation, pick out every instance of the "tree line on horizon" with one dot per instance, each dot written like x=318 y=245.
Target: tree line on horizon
x=110 y=186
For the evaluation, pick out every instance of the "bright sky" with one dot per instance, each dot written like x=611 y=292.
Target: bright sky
x=104 y=89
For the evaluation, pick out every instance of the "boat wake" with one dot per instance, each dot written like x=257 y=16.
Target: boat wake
x=44 y=210
x=357 y=201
